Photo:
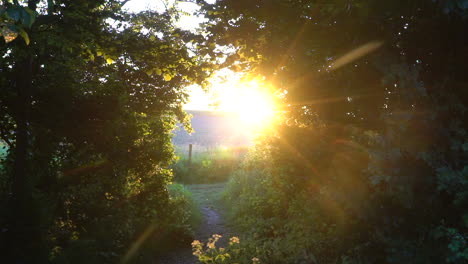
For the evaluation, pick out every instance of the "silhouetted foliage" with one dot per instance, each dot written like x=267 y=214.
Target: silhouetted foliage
x=370 y=166
x=87 y=110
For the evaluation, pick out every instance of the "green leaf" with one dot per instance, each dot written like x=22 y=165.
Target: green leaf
x=14 y=13
x=109 y=60
x=24 y=35
x=167 y=77
x=28 y=17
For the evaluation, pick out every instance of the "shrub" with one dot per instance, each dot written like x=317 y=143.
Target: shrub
x=321 y=199
x=187 y=210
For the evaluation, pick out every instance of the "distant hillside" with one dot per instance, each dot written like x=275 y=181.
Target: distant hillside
x=212 y=129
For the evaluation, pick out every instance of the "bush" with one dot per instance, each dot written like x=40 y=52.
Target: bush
x=324 y=198
x=93 y=230
x=115 y=234
x=187 y=210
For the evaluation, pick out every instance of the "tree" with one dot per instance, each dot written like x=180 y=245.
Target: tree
x=384 y=77
x=87 y=110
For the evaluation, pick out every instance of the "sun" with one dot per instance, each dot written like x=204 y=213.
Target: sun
x=255 y=108
x=252 y=103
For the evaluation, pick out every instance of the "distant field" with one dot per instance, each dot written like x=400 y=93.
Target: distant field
x=212 y=166
x=218 y=153
x=218 y=147
x=212 y=130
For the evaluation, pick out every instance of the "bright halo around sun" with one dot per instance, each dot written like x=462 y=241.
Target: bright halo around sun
x=252 y=102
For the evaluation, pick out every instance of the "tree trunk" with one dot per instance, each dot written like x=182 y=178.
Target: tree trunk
x=24 y=234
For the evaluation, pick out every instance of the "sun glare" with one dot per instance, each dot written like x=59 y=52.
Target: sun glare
x=252 y=103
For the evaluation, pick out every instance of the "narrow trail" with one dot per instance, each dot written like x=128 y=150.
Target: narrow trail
x=207 y=196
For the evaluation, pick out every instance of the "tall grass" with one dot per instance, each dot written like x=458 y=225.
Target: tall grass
x=184 y=217
x=211 y=166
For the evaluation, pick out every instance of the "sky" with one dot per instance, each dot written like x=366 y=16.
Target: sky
x=186 y=22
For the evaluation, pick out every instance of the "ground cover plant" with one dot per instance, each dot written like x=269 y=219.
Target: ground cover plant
x=233 y=253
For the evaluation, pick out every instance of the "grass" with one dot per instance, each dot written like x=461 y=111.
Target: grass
x=197 y=196
x=180 y=191
x=213 y=166
x=207 y=195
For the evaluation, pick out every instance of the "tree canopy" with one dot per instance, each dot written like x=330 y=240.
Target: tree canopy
x=90 y=95
x=373 y=151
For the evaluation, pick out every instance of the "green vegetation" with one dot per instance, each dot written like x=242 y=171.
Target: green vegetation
x=3 y=152
x=340 y=214
x=370 y=165
x=187 y=203
x=366 y=164
x=208 y=195
x=233 y=253
x=87 y=109
x=212 y=166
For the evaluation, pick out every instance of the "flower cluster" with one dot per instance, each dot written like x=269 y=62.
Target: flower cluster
x=197 y=247
x=233 y=253
x=212 y=241
x=234 y=240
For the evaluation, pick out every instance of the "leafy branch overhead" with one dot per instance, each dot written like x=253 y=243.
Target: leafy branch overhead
x=88 y=109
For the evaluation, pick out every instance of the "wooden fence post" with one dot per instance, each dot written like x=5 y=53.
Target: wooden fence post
x=190 y=155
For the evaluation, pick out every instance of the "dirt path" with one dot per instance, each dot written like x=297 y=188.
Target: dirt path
x=207 y=195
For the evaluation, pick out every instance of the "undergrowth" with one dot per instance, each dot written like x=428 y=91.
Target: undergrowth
x=188 y=206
